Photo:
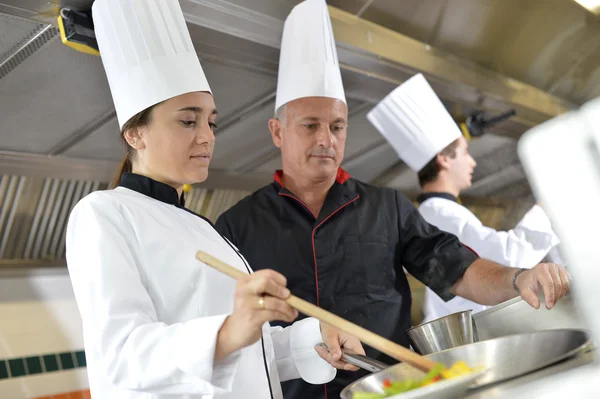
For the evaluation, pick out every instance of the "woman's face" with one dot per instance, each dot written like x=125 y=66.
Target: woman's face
x=176 y=146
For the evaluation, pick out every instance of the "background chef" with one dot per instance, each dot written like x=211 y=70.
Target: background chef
x=418 y=126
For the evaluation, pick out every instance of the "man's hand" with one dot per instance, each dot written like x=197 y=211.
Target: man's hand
x=337 y=340
x=553 y=279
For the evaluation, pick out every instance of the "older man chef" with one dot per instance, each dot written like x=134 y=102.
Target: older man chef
x=418 y=126
x=342 y=243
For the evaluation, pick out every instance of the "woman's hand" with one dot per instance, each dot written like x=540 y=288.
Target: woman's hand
x=259 y=298
x=337 y=340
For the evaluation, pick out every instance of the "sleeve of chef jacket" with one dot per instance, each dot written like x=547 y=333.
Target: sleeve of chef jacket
x=434 y=257
x=295 y=352
x=134 y=350
x=524 y=246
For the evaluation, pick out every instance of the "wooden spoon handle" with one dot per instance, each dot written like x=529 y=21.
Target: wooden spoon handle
x=378 y=342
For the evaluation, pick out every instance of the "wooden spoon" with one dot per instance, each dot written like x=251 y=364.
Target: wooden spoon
x=378 y=342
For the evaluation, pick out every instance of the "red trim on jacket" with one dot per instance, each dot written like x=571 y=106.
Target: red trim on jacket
x=341 y=177
x=471 y=249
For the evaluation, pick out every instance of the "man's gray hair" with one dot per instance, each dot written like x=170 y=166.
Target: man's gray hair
x=280 y=113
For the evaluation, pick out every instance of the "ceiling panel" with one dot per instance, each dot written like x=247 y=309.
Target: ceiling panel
x=362 y=136
x=103 y=143
x=51 y=96
x=14 y=32
x=235 y=88
x=551 y=44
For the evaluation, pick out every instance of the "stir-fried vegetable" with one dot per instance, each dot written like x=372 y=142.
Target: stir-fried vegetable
x=437 y=373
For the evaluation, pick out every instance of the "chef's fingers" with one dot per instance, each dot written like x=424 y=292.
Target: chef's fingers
x=331 y=338
x=528 y=285
x=272 y=304
x=266 y=282
x=546 y=280
x=564 y=282
x=564 y=276
x=328 y=357
x=529 y=295
x=352 y=344
x=324 y=353
x=557 y=281
x=335 y=340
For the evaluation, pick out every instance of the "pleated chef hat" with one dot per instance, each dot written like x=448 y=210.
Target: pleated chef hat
x=147 y=53
x=415 y=122
x=308 y=62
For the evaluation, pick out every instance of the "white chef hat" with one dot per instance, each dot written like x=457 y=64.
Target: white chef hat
x=308 y=62
x=415 y=122
x=147 y=53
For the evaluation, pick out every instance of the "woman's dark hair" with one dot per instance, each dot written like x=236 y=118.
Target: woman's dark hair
x=430 y=171
x=138 y=120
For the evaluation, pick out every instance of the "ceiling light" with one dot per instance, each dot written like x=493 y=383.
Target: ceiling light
x=591 y=5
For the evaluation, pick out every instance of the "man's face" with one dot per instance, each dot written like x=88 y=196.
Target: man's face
x=311 y=134
x=462 y=166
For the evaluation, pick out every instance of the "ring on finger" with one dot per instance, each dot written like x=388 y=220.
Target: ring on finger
x=261 y=302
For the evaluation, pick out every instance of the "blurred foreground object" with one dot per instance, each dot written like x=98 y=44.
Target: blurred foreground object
x=561 y=158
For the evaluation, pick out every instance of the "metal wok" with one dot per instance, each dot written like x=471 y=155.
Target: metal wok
x=504 y=358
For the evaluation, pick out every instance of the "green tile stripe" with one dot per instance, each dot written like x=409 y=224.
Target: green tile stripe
x=31 y=365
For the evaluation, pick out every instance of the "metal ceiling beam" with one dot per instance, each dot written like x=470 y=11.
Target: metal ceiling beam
x=21 y=164
x=38 y=38
x=373 y=51
x=367 y=165
x=256 y=105
x=76 y=137
x=10 y=268
x=363 y=47
x=364 y=7
x=390 y=55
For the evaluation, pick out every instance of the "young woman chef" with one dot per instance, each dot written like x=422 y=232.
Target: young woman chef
x=158 y=323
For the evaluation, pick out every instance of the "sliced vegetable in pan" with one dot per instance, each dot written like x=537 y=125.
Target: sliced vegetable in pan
x=437 y=373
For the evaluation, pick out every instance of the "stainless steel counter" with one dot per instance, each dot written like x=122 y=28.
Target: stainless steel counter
x=568 y=374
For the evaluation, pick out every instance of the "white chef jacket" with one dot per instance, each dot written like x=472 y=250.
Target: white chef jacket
x=151 y=311
x=524 y=246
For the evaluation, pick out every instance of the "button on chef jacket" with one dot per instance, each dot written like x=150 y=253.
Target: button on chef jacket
x=349 y=258
x=151 y=311
x=524 y=246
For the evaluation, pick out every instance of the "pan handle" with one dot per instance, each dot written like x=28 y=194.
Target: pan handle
x=362 y=361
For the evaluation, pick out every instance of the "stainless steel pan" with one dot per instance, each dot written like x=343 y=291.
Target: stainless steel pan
x=504 y=358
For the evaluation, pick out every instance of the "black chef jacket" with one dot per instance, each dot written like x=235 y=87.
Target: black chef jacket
x=348 y=259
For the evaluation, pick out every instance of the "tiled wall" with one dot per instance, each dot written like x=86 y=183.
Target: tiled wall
x=41 y=342
x=38 y=364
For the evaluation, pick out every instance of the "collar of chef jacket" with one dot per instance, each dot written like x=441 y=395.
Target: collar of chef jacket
x=152 y=188
x=338 y=197
x=425 y=196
